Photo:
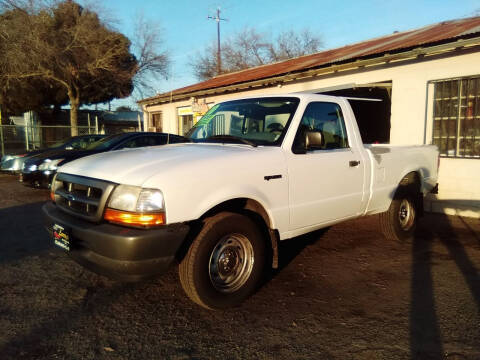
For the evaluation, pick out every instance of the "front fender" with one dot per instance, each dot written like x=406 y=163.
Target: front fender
x=226 y=193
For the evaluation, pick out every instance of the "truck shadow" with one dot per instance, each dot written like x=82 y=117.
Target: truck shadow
x=291 y=248
x=424 y=332
x=425 y=335
x=21 y=232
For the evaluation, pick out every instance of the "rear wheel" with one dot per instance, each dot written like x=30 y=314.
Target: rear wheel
x=400 y=220
x=225 y=263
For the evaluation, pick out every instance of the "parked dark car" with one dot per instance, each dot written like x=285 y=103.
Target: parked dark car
x=14 y=162
x=38 y=170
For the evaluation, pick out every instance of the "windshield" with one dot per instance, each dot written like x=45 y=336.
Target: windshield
x=76 y=143
x=105 y=143
x=61 y=143
x=259 y=121
x=81 y=142
x=58 y=143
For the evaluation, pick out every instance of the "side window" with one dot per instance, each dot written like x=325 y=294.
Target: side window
x=150 y=141
x=160 y=140
x=138 y=142
x=326 y=119
x=174 y=139
x=127 y=144
x=83 y=142
x=77 y=144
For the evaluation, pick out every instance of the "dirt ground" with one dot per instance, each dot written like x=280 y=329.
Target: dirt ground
x=345 y=294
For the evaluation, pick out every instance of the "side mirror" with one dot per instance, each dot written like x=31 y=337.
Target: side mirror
x=313 y=140
x=307 y=140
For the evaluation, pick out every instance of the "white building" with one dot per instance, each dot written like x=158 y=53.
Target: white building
x=428 y=79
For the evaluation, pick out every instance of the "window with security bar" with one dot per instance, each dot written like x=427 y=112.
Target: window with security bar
x=456 y=117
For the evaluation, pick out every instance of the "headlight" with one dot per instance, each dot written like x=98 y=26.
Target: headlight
x=134 y=198
x=150 y=200
x=125 y=197
x=50 y=164
x=133 y=205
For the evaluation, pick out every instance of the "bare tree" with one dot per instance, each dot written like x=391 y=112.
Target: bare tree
x=67 y=45
x=153 y=59
x=204 y=65
x=249 y=48
x=246 y=49
x=290 y=44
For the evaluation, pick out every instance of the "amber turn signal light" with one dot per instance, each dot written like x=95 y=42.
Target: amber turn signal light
x=52 y=196
x=134 y=219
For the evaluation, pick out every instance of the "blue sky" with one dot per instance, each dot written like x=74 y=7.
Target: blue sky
x=186 y=29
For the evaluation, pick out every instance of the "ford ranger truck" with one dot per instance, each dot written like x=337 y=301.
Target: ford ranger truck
x=256 y=171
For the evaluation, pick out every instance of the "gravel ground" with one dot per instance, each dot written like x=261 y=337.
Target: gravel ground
x=344 y=294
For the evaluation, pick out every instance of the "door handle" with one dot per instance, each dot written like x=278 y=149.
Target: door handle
x=354 y=163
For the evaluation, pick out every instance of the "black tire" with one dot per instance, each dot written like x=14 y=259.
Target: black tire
x=398 y=223
x=225 y=262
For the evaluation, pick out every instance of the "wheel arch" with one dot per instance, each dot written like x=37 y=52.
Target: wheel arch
x=394 y=223
x=413 y=178
x=247 y=207
x=411 y=182
x=240 y=205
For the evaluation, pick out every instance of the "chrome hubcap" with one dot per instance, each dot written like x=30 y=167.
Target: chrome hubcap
x=231 y=263
x=406 y=215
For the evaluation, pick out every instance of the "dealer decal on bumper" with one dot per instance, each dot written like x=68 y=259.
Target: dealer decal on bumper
x=61 y=237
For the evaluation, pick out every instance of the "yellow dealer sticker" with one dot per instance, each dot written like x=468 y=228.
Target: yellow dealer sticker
x=61 y=237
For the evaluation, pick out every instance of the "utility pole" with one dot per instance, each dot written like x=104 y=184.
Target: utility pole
x=217 y=18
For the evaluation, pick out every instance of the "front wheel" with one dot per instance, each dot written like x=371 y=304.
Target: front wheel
x=400 y=220
x=225 y=263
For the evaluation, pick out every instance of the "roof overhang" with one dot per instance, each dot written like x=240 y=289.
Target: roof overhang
x=328 y=69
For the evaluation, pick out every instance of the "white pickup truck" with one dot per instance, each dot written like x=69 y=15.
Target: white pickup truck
x=253 y=172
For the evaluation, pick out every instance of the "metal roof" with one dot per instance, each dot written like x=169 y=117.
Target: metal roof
x=444 y=32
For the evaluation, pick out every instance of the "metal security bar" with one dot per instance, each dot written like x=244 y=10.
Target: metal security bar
x=456 y=117
x=217 y=126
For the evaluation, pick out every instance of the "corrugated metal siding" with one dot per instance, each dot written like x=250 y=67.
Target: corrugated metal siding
x=431 y=34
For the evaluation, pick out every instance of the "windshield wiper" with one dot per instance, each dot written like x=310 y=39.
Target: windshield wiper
x=231 y=137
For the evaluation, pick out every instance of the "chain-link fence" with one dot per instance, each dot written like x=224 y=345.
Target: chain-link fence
x=16 y=139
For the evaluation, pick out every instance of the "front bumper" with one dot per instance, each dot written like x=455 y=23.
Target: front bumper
x=13 y=165
x=118 y=252
x=37 y=178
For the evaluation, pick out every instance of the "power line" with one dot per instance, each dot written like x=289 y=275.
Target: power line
x=217 y=18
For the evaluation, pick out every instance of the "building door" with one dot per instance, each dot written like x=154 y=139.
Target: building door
x=187 y=123
x=184 y=119
x=156 y=123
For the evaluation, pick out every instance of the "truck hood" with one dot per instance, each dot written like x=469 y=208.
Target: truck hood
x=137 y=166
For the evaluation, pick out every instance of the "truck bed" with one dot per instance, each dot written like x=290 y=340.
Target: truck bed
x=390 y=162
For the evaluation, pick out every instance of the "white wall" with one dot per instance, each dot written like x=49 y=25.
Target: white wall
x=459 y=179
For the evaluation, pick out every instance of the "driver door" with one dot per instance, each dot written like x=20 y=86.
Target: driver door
x=325 y=183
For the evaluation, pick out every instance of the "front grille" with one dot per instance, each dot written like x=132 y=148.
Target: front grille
x=81 y=196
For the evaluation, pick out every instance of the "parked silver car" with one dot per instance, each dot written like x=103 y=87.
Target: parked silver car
x=14 y=163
